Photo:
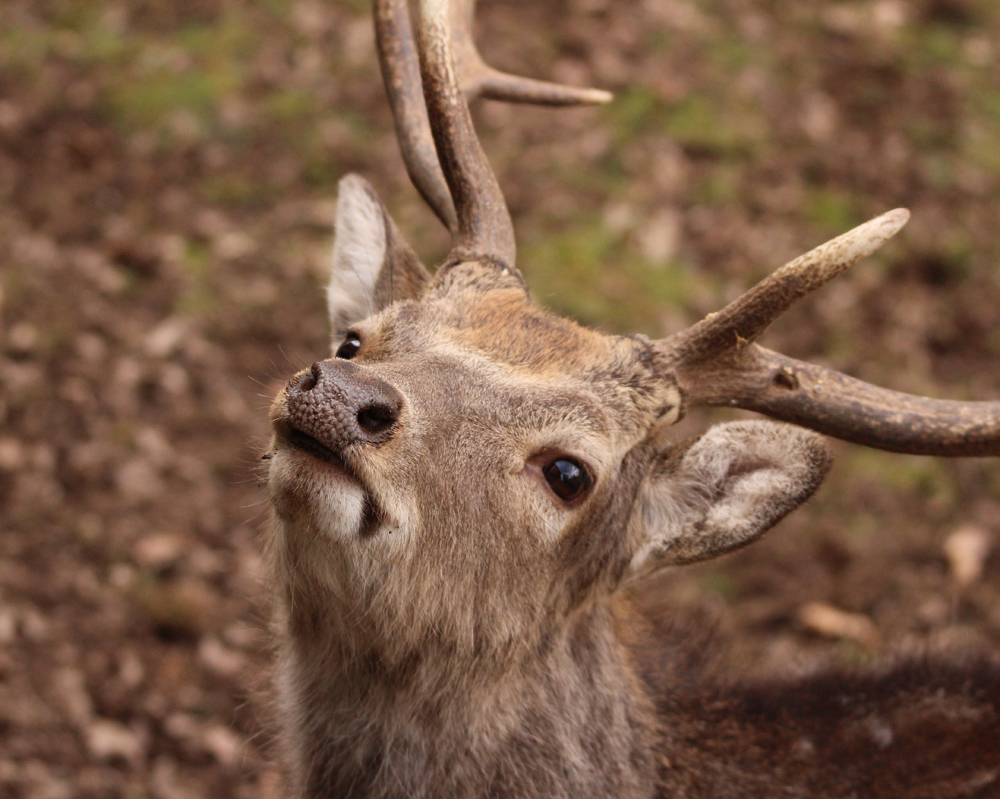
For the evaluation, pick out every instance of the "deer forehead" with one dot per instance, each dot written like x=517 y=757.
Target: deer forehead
x=509 y=353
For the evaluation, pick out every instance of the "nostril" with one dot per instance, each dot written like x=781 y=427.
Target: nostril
x=308 y=381
x=377 y=418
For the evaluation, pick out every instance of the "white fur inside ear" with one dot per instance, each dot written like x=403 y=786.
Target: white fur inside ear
x=358 y=253
x=731 y=486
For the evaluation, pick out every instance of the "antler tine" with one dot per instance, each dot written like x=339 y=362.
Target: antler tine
x=743 y=320
x=481 y=80
x=401 y=74
x=716 y=363
x=398 y=56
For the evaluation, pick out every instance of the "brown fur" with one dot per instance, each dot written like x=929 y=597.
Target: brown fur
x=475 y=639
x=916 y=729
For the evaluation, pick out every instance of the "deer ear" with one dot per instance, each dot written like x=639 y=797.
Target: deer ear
x=372 y=264
x=724 y=490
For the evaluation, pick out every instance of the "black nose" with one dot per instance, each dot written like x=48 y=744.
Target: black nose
x=339 y=405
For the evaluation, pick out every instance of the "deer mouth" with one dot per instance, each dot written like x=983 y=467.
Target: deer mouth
x=306 y=443
x=372 y=515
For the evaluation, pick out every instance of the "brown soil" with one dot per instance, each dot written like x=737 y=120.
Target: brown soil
x=167 y=177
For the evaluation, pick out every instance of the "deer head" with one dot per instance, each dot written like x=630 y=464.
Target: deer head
x=464 y=438
x=465 y=443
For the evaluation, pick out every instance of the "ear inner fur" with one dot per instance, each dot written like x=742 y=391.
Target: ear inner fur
x=373 y=265
x=723 y=490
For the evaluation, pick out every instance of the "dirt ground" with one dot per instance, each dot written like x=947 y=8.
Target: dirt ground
x=167 y=185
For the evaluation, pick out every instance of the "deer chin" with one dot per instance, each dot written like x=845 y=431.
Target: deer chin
x=315 y=489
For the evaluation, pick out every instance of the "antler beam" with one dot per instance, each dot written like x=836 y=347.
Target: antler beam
x=717 y=363
x=837 y=405
x=484 y=226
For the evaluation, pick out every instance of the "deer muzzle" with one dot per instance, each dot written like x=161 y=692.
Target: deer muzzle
x=337 y=406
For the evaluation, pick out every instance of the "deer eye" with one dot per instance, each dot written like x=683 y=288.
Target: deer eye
x=350 y=347
x=567 y=478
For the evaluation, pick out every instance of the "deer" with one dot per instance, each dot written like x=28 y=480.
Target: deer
x=465 y=491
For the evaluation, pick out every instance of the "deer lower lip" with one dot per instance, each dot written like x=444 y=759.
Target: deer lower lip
x=306 y=443
x=372 y=516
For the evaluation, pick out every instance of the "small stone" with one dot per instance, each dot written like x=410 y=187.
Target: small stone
x=11 y=455
x=34 y=626
x=166 y=338
x=219 y=658
x=184 y=607
x=159 y=550
x=835 y=623
x=138 y=480
x=966 y=550
x=11 y=116
x=69 y=684
x=165 y=781
x=232 y=245
x=111 y=740
x=130 y=670
x=223 y=744
x=8 y=625
x=660 y=236
x=22 y=338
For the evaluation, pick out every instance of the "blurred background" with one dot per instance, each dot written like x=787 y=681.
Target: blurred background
x=167 y=192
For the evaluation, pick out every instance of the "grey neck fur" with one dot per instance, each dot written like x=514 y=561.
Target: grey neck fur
x=563 y=719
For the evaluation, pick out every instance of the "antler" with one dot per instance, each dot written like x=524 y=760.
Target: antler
x=717 y=363
x=433 y=126
x=481 y=80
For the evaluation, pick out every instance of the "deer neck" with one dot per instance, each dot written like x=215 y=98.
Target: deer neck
x=562 y=716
